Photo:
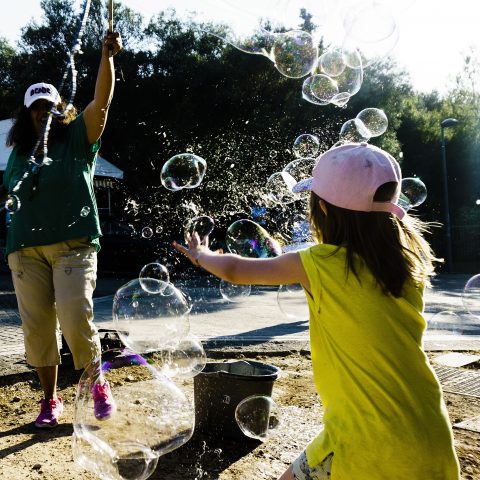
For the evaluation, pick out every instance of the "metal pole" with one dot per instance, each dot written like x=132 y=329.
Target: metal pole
x=447 y=207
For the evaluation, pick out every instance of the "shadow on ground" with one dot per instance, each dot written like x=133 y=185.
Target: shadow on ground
x=202 y=457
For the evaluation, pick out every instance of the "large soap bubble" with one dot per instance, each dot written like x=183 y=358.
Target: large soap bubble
x=248 y=239
x=184 y=170
x=372 y=30
x=152 y=417
x=374 y=120
x=369 y=22
x=306 y=146
x=446 y=322
x=294 y=53
x=147 y=322
x=471 y=296
x=258 y=416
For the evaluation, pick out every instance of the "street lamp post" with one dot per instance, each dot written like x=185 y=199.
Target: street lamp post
x=447 y=123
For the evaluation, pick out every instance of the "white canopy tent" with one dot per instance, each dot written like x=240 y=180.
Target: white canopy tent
x=103 y=168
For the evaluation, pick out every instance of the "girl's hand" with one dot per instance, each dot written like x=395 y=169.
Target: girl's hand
x=194 y=247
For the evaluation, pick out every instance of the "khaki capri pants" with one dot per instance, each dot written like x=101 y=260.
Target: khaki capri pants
x=57 y=282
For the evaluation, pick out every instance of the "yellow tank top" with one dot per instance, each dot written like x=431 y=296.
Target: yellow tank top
x=384 y=415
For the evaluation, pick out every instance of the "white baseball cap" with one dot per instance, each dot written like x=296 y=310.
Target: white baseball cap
x=41 y=91
x=349 y=175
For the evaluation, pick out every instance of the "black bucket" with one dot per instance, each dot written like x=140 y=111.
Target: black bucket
x=220 y=387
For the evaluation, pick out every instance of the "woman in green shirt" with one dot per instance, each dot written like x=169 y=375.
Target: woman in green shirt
x=53 y=238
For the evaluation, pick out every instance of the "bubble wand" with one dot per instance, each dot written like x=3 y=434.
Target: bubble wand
x=110 y=22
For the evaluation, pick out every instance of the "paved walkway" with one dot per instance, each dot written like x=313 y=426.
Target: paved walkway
x=255 y=324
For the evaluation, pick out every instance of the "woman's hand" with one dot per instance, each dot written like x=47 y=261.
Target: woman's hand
x=112 y=43
x=195 y=248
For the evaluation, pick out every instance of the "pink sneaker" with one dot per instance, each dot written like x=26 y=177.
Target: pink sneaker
x=103 y=403
x=50 y=411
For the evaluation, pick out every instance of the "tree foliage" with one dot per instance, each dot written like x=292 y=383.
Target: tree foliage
x=181 y=89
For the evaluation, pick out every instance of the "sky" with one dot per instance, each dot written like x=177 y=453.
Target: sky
x=434 y=35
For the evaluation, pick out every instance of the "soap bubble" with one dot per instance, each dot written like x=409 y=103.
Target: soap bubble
x=203 y=225
x=374 y=120
x=185 y=170
x=186 y=359
x=445 y=322
x=240 y=26
x=369 y=22
x=279 y=188
x=154 y=277
x=341 y=99
x=294 y=53
x=306 y=146
x=248 y=239
x=372 y=29
x=351 y=79
x=258 y=416
x=147 y=232
x=300 y=169
x=332 y=62
x=413 y=193
x=232 y=292
x=322 y=87
x=471 y=296
x=84 y=211
x=13 y=204
x=292 y=302
x=152 y=417
x=353 y=131
x=147 y=322
x=307 y=92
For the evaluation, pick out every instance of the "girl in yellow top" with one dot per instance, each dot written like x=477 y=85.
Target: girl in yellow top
x=384 y=413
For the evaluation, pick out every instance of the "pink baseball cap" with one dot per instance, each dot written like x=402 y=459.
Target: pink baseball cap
x=349 y=175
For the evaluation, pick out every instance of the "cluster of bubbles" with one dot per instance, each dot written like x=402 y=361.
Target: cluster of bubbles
x=464 y=320
x=153 y=415
x=357 y=34
x=369 y=123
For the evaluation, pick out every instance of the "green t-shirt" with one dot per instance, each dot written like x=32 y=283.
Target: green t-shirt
x=385 y=417
x=63 y=205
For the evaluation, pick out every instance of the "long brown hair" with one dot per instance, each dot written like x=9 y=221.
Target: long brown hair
x=394 y=250
x=23 y=135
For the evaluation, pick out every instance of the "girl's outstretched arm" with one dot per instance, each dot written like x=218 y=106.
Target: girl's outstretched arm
x=281 y=270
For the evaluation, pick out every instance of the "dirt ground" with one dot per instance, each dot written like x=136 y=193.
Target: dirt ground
x=29 y=453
